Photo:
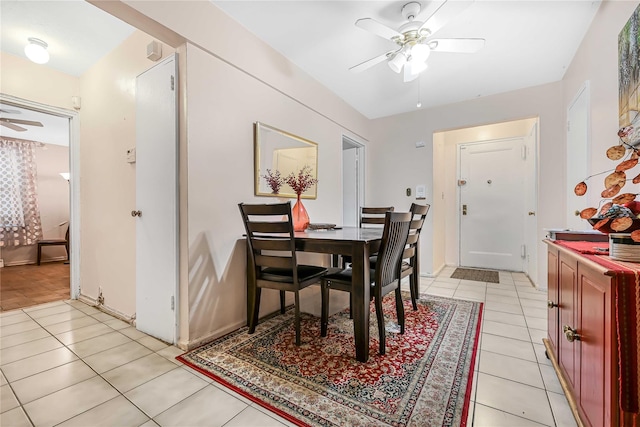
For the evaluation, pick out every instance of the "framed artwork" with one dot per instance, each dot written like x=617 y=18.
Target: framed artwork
x=278 y=154
x=629 y=74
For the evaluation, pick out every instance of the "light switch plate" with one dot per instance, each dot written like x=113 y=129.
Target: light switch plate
x=131 y=155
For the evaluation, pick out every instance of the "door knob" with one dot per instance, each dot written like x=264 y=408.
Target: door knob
x=531 y=213
x=136 y=213
x=571 y=334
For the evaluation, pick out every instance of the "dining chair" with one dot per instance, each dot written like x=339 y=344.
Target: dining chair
x=411 y=260
x=373 y=215
x=369 y=217
x=384 y=279
x=53 y=242
x=411 y=257
x=272 y=257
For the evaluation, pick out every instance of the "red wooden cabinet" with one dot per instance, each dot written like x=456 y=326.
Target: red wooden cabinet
x=582 y=340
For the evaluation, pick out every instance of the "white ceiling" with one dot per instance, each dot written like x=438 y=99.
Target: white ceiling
x=54 y=130
x=528 y=43
x=78 y=35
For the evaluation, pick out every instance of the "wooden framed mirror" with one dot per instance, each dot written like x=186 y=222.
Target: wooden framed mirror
x=280 y=153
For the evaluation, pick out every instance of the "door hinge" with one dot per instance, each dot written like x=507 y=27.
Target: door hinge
x=568 y=126
x=523 y=251
x=173 y=83
x=524 y=152
x=173 y=302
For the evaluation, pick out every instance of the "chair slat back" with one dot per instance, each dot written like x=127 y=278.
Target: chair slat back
x=394 y=239
x=270 y=236
x=419 y=213
x=373 y=215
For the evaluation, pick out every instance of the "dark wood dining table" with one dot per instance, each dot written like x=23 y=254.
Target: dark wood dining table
x=358 y=243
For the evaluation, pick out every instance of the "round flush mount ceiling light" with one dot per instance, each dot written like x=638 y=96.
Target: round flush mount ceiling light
x=36 y=51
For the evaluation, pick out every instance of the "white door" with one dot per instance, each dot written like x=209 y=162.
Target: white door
x=156 y=200
x=577 y=156
x=531 y=204
x=491 y=183
x=351 y=182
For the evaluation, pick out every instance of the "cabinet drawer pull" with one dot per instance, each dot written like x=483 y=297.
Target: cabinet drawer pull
x=570 y=334
x=551 y=304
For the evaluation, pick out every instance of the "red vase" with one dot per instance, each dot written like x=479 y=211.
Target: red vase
x=300 y=216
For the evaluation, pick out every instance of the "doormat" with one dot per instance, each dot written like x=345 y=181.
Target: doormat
x=424 y=379
x=476 y=275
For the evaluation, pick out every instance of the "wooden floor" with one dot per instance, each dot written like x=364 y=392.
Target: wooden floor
x=27 y=285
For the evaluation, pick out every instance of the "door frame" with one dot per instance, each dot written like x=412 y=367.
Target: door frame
x=583 y=91
x=74 y=184
x=459 y=192
x=360 y=172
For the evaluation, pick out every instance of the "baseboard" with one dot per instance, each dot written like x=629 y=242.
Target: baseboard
x=435 y=273
x=190 y=345
x=30 y=262
x=573 y=404
x=106 y=309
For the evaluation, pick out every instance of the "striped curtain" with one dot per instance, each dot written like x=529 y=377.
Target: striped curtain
x=19 y=212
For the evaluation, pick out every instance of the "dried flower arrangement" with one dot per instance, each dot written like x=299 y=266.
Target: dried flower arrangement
x=274 y=180
x=302 y=182
x=617 y=212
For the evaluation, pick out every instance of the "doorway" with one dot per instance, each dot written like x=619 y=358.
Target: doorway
x=491 y=196
x=446 y=164
x=352 y=181
x=56 y=194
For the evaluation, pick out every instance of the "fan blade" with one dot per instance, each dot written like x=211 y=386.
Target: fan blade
x=12 y=126
x=456 y=45
x=377 y=28
x=447 y=11
x=371 y=62
x=22 y=122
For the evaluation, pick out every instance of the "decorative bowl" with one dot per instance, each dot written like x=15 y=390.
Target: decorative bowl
x=606 y=229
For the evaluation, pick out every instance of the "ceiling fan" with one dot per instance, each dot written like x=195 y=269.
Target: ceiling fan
x=414 y=39
x=13 y=123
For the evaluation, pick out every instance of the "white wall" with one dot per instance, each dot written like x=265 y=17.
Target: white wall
x=227 y=90
x=223 y=104
x=394 y=144
x=107 y=187
x=597 y=61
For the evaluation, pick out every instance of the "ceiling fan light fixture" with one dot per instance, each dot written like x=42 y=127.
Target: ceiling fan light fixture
x=36 y=51
x=397 y=62
x=420 y=52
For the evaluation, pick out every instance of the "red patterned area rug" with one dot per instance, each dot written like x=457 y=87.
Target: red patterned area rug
x=423 y=380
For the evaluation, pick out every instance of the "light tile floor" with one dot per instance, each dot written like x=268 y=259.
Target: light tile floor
x=68 y=364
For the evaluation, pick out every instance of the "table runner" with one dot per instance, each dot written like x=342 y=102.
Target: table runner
x=627 y=308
